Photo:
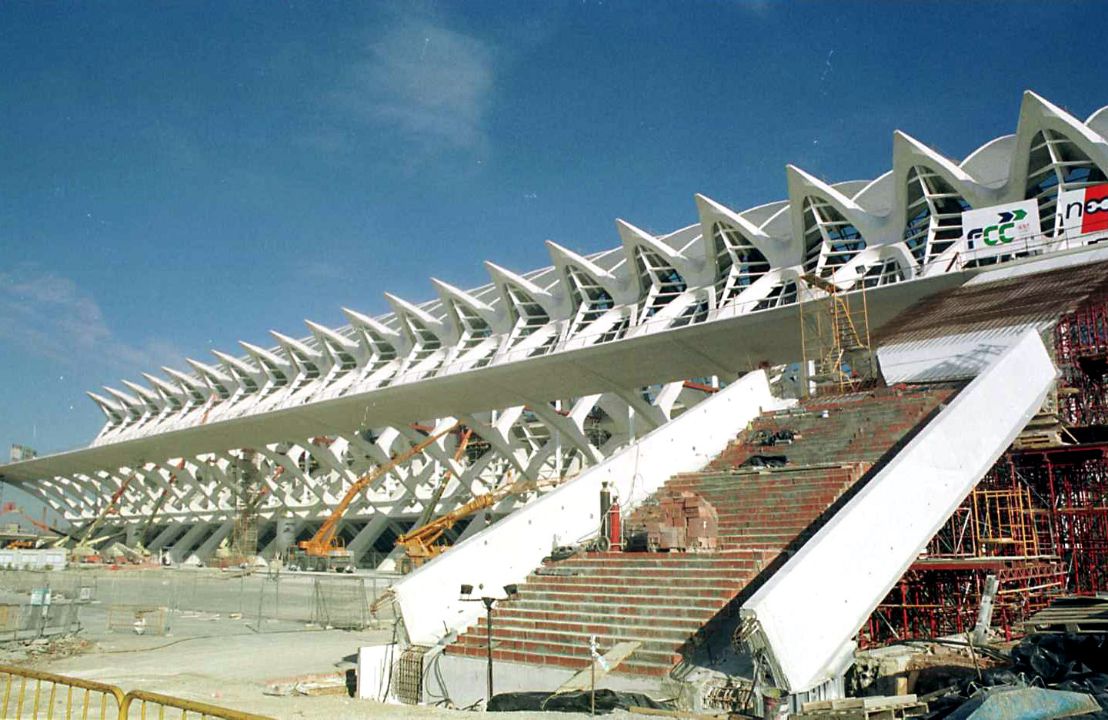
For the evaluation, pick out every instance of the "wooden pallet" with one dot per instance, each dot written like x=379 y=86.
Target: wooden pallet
x=891 y=707
x=1071 y=615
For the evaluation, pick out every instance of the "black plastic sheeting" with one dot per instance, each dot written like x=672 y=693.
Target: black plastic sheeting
x=1078 y=663
x=578 y=701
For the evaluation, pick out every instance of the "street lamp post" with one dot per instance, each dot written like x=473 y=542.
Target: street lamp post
x=511 y=592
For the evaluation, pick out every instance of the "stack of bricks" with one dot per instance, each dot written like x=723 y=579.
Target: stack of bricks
x=682 y=520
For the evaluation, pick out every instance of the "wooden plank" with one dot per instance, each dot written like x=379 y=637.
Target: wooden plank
x=614 y=657
x=679 y=714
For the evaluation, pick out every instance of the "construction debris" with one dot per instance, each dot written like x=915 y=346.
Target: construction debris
x=1081 y=615
x=867 y=708
x=681 y=520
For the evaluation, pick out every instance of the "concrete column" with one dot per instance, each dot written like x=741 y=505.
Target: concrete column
x=188 y=541
x=368 y=535
x=209 y=546
x=131 y=534
x=166 y=536
x=287 y=530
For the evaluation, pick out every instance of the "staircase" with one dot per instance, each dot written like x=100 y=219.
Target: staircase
x=665 y=600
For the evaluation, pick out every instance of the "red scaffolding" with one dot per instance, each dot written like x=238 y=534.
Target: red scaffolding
x=1038 y=521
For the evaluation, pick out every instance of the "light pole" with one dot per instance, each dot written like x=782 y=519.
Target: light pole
x=511 y=592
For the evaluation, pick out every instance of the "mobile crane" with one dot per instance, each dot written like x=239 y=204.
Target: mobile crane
x=325 y=550
x=422 y=543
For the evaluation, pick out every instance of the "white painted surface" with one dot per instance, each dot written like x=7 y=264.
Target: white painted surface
x=951 y=357
x=509 y=550
x=41 y=559
x=807 y=614
x=375 y=672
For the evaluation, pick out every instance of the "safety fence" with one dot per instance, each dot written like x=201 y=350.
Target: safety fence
x=68 y=584
x=154 y=601
x=21 y=621
x=34 y=694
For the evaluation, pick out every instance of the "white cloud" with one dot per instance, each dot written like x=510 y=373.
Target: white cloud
x=430 y=84
x=48 y=314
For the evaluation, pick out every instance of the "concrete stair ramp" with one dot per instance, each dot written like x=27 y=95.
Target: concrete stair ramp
x=668 y=603
x=803 y=618
x=507 y=552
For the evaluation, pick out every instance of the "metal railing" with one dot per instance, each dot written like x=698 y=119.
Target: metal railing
x=34 y=694
x=158 y=704
x=42 y=694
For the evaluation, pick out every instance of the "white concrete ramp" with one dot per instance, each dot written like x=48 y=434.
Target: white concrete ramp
x=510 y=549
x=803 y=619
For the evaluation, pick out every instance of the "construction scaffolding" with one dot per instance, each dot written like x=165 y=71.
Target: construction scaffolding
x=1081 y=354
x=835 y=339
x=251 y=492
x=1038 y=522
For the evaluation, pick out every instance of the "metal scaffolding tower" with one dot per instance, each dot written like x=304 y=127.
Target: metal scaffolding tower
x=835 y=338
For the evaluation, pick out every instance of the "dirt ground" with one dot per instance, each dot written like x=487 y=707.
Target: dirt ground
x=221 y=659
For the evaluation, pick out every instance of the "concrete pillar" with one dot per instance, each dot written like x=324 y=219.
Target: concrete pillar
x=188 y=541
x=209 y=546
x=363 y=541
x=131 y=534
x=287 y=530
x=166 y=536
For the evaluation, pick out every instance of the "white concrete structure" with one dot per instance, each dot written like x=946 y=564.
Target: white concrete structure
x=509 y=550
x=556 y=368
x=803 y=619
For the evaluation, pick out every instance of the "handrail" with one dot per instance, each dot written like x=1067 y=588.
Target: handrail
x=43 y=705
x=88 y=686
x=203 y=710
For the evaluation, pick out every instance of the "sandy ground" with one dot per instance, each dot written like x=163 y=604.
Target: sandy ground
x=214 y=658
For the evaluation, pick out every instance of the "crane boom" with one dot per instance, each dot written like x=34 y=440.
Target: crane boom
x=323 y=542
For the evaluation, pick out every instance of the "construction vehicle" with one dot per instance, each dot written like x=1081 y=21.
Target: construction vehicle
x=326 y=551
x=158 y=505
x=422 y=544
x=84 y=550
x=49 y=534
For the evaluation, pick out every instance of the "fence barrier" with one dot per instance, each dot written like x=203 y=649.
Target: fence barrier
x=46 y=695
x=24 y=621
x=43 y=694
x=188 y=708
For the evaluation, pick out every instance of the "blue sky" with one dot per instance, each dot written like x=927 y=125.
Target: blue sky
x=175 y=177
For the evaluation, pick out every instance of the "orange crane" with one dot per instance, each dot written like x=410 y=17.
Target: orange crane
x=11 y=507
x=83 y=548
x=422 y=543
x=158 y=506
x=325 y=550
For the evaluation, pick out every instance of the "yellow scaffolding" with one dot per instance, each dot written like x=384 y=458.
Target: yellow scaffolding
x=835 y=337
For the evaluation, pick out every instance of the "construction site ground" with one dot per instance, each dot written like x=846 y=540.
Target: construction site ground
x=220 y=657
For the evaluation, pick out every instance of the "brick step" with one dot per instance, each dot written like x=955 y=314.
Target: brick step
x=634 y=585
x=662 y=656
x=628 y=667
x=679 y=628
x=788 y=476
x=614 y=594
x=689 y=608
x=657 y=639
x=788 y=521
x=571 y=622
x=738 y=496
x=713 y=579
x=510 y=649
x=791 y=474
x=677 y=571
x=625 y=615
x=655 y=561
x=794 y=507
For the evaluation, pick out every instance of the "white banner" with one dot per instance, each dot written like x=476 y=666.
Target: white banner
x=1000 y=229
x=1082 y=213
